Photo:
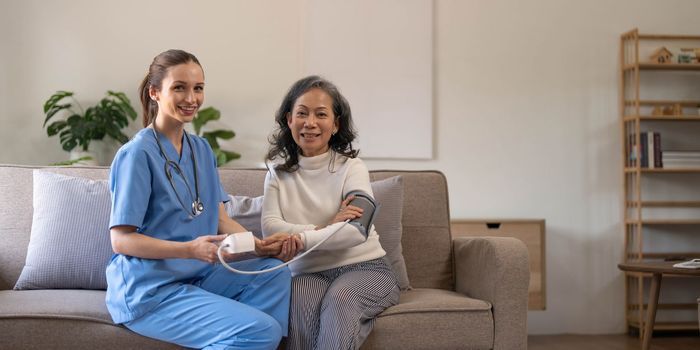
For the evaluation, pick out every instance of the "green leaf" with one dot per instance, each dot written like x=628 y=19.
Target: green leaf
x=69 y=145
x=212 y=142
x=223 y=157
x=220 y=134
x=65 y=135
x=53 y=100
x=230 y=155
x=122 y=102
x=91 y=113
x=72 y=161
x=117 y=135
x=55 y=127
x=204 y=116
x=220 y=158
x=55 y=109
x=74 y=119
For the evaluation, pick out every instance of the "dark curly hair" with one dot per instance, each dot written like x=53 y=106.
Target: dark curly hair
x=282 y=143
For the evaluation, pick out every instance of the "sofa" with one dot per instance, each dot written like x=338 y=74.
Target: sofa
x=465 y=293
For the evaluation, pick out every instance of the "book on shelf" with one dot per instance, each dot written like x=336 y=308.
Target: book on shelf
x=649 y=152
x=681 y=164
x=658 y=158
x=681 y=159
x=644 y=145
x=682 y=155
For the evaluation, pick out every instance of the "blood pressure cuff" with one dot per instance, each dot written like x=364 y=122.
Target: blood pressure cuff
x=369 y=206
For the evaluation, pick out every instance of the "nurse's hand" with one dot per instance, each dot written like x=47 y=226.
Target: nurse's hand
x=204 y=248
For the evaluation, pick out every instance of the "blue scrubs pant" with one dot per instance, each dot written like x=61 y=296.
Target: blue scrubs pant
x=223 y=310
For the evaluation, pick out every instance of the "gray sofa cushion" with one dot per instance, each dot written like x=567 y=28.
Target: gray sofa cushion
x=86 y=305
x=53 y=318
x=455 y=321
x=69 y=245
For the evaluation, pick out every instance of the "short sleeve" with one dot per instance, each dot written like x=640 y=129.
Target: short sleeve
x=223 y=195
x=130 y=184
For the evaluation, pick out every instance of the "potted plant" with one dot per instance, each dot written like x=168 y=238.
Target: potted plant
x=81 y=126
x=203 y=117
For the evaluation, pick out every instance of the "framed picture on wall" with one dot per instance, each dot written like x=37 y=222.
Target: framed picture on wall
x=380 y=55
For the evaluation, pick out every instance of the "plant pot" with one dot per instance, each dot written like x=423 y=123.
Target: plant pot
x=81 y=154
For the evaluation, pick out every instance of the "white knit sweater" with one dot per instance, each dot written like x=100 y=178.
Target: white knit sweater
x=310 y=197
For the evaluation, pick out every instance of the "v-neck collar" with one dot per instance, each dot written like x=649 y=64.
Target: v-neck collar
x=170 y=150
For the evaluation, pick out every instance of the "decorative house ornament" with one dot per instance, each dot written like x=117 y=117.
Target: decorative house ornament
x=674 y=109
x=662 y=55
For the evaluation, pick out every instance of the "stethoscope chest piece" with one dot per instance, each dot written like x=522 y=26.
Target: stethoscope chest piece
x=197 y=207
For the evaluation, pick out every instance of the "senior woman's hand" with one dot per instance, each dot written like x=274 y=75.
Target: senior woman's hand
x=290 y=248
x=347 y=211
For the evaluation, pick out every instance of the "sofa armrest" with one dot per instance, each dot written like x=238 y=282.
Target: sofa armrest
x=496 y=269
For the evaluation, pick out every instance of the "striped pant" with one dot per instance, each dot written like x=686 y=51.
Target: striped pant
x=336 y=308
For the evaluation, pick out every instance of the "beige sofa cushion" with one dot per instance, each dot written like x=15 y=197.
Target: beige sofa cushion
x=54 y=318
x=455 y=321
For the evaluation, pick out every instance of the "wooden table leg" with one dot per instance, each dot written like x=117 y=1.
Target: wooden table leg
x=651 y=309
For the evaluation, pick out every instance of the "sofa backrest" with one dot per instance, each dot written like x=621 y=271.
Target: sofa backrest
x=426 y=239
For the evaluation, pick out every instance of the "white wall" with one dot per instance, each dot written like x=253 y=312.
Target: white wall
x=525 y=106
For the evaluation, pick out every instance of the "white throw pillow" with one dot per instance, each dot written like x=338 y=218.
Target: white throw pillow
x=69 y=246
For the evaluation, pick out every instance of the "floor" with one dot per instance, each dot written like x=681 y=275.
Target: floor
x=612 y=342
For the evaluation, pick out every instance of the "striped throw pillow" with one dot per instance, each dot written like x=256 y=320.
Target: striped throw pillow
x=69 y=247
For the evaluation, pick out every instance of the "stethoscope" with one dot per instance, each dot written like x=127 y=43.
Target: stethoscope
x=197 y=205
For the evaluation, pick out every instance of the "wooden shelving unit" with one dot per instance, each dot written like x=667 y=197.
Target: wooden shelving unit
x=635 y=110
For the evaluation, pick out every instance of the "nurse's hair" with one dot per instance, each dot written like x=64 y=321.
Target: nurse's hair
x=282 y=145
x=156 y=72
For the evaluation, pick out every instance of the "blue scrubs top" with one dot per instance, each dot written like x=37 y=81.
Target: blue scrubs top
x=143 y=197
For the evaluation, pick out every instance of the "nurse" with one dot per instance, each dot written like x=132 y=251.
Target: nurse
x=166 y=223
